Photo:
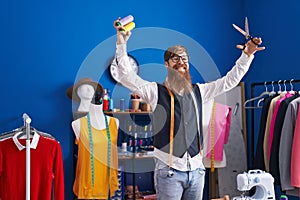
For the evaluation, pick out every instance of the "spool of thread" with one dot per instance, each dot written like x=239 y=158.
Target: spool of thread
x=124 y=146
x=122 y=104
x=111 y=104
x=129 y=26
x=283 y=197
x=105 y=98
x=105 y=104
x=125 y=20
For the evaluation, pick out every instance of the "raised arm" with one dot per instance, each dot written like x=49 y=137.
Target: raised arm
x=235 y=75
x=128 y=78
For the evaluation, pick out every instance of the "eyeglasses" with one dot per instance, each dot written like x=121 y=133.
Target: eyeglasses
x=177 y=58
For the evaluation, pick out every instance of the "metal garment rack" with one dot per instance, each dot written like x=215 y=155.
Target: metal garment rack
x=27 y=122
x=253 y=85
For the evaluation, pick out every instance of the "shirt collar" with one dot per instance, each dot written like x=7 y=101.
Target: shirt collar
x=33 y=144
x=181 y=92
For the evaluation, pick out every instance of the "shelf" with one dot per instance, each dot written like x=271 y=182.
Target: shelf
x=130 y=155
x=138 y=165
x=127 y=112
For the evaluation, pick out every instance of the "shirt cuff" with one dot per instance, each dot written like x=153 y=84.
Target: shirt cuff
x=245 y=58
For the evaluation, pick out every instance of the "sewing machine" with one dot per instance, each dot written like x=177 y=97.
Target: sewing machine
x=263 y=182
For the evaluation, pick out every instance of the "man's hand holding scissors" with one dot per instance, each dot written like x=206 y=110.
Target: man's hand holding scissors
x=251 y=44
x=250 y=48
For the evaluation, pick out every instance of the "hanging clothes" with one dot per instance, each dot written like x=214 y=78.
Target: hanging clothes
x=273 y=121
x=267 y=130
x=276 y=137
x=274 y=154
x=295 y=159
x=258 y=162
x=285 y=146
x=93 y=165
x=219 y=126
x=207 y=112
x=46 y=168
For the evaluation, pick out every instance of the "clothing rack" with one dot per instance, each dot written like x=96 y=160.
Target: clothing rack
x=255 y=84
x=27 y=122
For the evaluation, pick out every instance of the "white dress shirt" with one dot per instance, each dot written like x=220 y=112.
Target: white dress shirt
x=148 y=91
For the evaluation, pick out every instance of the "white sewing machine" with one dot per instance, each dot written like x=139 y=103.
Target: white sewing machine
x=263 y=181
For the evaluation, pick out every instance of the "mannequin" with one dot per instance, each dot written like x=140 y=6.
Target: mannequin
x=93 y=134
x=86 y=93
x=97 y=119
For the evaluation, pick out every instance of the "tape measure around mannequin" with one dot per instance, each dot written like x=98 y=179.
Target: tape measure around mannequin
x=92 y=150
x=108 y=153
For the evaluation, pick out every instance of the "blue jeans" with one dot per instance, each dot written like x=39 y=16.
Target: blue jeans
x=172 y=184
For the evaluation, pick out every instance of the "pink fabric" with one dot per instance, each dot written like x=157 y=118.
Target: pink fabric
x=295 y=158
x=222 y=121
x=272 y=125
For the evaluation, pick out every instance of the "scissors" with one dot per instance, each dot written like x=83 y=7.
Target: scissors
x=245 y=33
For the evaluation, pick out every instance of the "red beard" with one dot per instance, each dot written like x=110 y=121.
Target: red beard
x=179 y=78
x=186 y=73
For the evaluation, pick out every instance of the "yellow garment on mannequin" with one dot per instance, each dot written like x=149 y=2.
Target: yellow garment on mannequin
x=83 y=187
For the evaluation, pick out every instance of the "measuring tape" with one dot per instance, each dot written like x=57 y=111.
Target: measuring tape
x=212 y=138
x=171 y=126
x=92 y=150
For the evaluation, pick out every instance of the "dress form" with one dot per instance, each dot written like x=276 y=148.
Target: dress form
x=95 y=146
x=86 y=93
x=96 y=117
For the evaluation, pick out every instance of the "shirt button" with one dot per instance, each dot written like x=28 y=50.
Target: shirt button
x=186 y=123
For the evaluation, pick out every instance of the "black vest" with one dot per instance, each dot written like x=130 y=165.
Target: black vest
x=186 y=136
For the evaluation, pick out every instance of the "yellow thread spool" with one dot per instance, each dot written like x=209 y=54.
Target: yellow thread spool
x=129 y=26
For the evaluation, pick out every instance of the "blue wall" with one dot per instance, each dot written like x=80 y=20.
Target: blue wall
x=46 y=44
x=277 y=22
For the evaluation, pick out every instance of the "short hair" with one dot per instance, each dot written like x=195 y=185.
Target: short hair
x=174 y=50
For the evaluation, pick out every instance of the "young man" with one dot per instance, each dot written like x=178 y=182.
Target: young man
x=177 y=114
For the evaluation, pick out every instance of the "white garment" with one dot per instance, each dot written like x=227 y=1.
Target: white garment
x=33 y=144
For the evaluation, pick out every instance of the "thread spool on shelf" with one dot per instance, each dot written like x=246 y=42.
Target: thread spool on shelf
x=122 y=104
x=283 y=197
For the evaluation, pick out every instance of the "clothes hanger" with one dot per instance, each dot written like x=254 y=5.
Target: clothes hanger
x=22 y=132
x=33 y=131
x=273 y=89
x=270 y=94
x=266 y=92
x=9 y=134
x=292 y=87
x=279 y=87
x=284 y=91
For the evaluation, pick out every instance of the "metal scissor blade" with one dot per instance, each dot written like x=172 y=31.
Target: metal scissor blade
x=241 y=30
x=247 y=26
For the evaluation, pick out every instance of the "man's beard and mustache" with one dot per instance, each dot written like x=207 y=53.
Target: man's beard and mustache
x=179 y=78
